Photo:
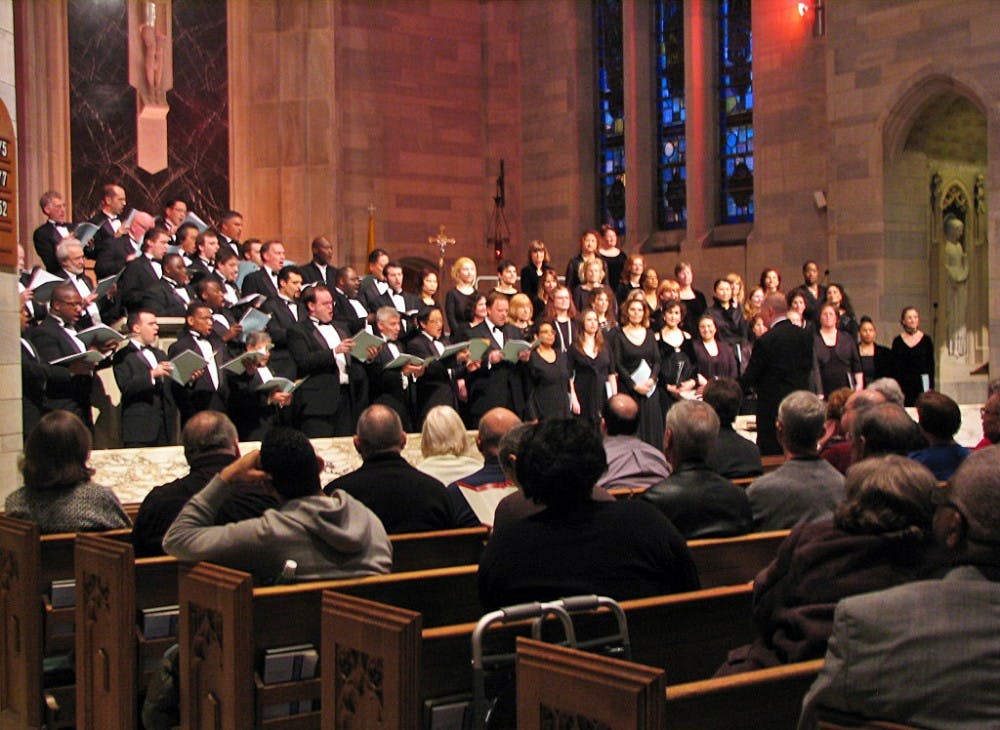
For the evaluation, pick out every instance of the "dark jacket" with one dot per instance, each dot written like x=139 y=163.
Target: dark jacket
x=147 y=406
x=701 y=503
x=733 y=456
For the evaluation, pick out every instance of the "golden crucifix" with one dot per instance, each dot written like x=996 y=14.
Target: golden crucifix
x=442 y=242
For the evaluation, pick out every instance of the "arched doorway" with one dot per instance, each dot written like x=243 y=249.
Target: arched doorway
x=935 y=203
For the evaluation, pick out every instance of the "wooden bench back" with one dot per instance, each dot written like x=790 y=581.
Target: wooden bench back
x=733 y=560
x=21 y=616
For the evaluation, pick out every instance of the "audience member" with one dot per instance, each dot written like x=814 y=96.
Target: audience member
x=699 y=501
x=990 y=413
x=889 y=388
x=631 y=461
x=210 y=443
x=333 y=536
x=884 y=429
x=619 y=548
x=805 y=488
x=444 y=445
x=733 y=456
x=927 y=653
x=58 y=494
x=939 y=419
x=840 y=454
x=404 y=498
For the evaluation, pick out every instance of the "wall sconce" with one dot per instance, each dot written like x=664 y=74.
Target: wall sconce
x=819 y=19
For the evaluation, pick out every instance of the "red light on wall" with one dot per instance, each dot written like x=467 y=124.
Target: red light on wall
x=803 y=9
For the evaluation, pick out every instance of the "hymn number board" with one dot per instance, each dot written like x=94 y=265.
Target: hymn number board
x=8 y=191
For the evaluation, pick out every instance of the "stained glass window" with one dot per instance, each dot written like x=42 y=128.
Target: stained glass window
x=611 y=114
x=736 y=111
x=671 y=114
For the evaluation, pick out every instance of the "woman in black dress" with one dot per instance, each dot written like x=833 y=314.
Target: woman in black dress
x=552 y=392
x=631 y=278
x=538 y=262
x=562 y=314
x=836 y=355
x=713 y=357
x=678 y=373
x=473 y=314
x=593 y=376
x=912 y=357
x=606 y=308
x=614 y=258
x=693 y=300
x=456 y=300
x=876 y=359
x=635 y=353
x=588 y=252
x=836 y=295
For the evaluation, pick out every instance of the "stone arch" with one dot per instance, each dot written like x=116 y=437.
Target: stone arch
x=936 y=124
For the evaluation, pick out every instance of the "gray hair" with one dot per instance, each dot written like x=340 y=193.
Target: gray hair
x=260 y=337
x=975 y=488
x=443 y=433
x=693 y=427
x=890 y=389
x=62 y=249
x=208 y=431
x=384 y=314
x=802 y=415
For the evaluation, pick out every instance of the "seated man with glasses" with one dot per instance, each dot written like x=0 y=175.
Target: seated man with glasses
x=927 y=653
x=991 y=422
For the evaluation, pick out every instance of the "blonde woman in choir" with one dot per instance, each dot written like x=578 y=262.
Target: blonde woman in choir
x=739 y=290
x=751 y=308
x=593 y=277
x=588 y=252
x=521 y=315
x=456 y=300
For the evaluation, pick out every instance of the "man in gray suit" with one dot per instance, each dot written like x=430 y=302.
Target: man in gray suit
x=927 y=653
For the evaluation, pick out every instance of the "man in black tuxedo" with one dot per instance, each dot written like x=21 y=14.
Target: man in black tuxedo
x=224 y=322
x=206 y=245
x=110 y=246
x=170 y=296
x=71 y=262
x=394 y=387
x=402 y=301
x=230 y=230
x=34 y=373
x=68 y=386
x=265 y=281
x=436 y=386
x=328 y=403
x=143 y=375
x=185 y=238
x=286 y=311
x=373 y=284
x=254 y=411
x=781 y=362
x=143 y=274
x=207 y=390
x=493 y=382
x=347 y=307
x=174 y=212
x=321 y=270
x=227 y=272
x=48 y=235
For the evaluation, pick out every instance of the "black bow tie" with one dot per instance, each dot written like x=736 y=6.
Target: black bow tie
x=146 y=347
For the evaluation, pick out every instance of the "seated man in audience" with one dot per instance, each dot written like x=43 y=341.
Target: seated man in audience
x=940 y=419
x=210 y=443
x=805 y=488
x=331 y=536
x=734 y=457
x=927 y=653
x=889 y=388
x=402 y=496
x=884 y=429
x=990 y=413
x=700 y=502
x=840 y=454
x=631 y=461
x=575 y=545
x=487 y=486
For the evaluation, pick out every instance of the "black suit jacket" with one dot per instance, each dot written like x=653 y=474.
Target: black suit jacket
x=34 y=373
x=146 y=405
x=320 y=395
x=46 y=238
x=386 y=386
x=110 y=252
x=435 y=387
x=138 y=277
x=311 y=274
x=368 y=294
x=344 y=312
x=281 y=321
x=234 y=245
x=198 y=270
x=161 y=300
x=249 y=408
x=496 y=386
x=781 y=362
x=259 y=282
x=201 y=395
x=63 y=390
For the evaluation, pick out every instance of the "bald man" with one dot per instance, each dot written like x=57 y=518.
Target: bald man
x=631 y=461
x=404 y=498
x=475 y=497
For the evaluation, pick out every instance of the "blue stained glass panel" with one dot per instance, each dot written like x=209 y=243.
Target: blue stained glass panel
x=611 y=114
x=671 y=141
x=736 y=111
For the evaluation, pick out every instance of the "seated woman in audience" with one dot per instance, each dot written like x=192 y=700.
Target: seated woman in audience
x=562 y=314
x=713 y=357
x=538 y=262
x=693 y=300
x=456 y=300
x=833 y=429
x=550 y=390
x=547 y=285
x=836 y=296
x=576 y=545
x=797 y=305
x=876 y=359
x=588 y=252
x=678 y=374
x=593 y=374
x=428 y=287
x=593 y=277
x=751 y=307
x=58 y=494
x=770 y=281
x=506 y=278
x=613 y=257
x=606 y=308
x=636 y=358
x=631 y=278
x=836 y=355
x=912 y=357
x=879 y=537
x=444 y=445
x=521 y=316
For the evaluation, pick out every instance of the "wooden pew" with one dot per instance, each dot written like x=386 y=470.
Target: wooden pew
x=830 y=720
x=555 y=682
x=732 y=560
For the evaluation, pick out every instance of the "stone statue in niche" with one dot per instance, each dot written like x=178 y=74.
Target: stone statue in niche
x=151 y=74
x=956 y=264
x=154 y=42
